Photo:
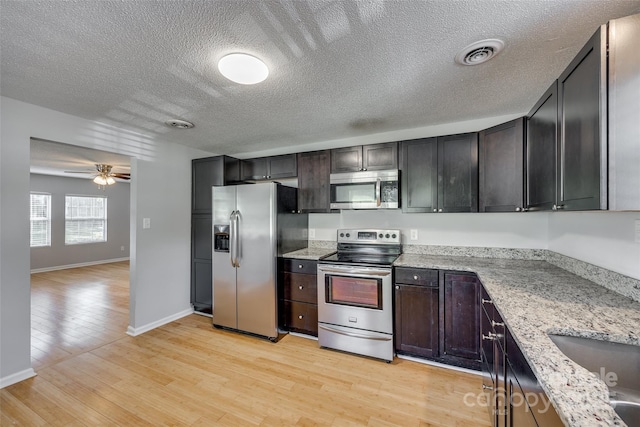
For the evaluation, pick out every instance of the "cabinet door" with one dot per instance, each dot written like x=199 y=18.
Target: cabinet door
x=582 y=156
x=313 y=181
x=347 y=159
x=416 y=315
x=380 y=156
x=518 y=412
x=205 y=173
x=460 y=317
x=301 y=287
x=458 y=173
x=201 y=263
x=285 y=166
x=301 y=317
x=542 y=151
x=254 y=169
x=501 y=167
x=419 y=179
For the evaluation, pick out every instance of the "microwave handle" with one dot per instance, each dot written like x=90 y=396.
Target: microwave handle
x=378 y=192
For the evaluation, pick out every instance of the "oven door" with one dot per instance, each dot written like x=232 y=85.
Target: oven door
x=355 y=297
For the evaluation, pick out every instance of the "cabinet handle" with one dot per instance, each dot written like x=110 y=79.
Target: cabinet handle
x=397 y=287
x=300 y=317
x=490 y=337
x=364 y=169
x=440 y=210
x=415 y=277
x=302 y=287
x=518 y=209
x=494 y=323
x=557 y=207
x=486 y=301
x=435 y=210
x=300 y=266
x=486 y=387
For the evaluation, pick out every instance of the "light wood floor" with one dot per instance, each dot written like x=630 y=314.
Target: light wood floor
x=188 y=374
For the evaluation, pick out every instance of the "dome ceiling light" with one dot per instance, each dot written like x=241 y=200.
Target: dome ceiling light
x=243 y=69
x=479 y=52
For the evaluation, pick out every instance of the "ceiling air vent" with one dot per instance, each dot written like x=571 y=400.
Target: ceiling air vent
x=179 y=124
x=479 y=52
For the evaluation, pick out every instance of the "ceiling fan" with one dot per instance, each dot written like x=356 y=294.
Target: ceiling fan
x=104 y=175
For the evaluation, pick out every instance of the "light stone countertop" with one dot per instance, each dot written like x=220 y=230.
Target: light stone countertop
x=536 y=298
x=309 y=253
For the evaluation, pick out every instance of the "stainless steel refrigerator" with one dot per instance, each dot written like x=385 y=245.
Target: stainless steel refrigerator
x=253 y=224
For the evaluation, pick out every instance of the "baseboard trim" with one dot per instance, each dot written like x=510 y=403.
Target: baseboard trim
x=17 y=377
x=81 y=264
x=149 y=326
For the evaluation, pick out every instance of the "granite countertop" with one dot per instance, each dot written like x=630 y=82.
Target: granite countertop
x=309 y=253
x=536 y=298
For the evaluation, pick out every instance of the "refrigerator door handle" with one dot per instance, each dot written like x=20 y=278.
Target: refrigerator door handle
x=232 y=238
x=237 y=239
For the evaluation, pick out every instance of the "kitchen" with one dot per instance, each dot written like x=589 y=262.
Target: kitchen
x=601 y=238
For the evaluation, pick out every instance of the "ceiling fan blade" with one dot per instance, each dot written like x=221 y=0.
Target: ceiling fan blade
x=121 y=175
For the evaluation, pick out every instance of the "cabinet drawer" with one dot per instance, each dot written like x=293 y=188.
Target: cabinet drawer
x=300 y=287
x=301 y=317
x=416 y=276
x=300 y=266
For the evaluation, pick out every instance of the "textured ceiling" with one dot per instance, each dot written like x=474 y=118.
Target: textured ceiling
x=338 y=69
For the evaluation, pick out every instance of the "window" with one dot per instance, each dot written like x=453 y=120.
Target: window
x=40 y=219
x=85 y=219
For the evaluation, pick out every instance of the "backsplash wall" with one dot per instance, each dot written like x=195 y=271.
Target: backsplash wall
x=604 y=239
x=504 y=230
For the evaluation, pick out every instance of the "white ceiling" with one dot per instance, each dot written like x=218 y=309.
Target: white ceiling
x=338 y=69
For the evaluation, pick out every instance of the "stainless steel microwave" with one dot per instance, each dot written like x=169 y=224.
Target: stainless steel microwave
x=365 y=190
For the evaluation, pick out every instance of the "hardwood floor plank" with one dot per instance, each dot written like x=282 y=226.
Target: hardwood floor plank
x=187 y=373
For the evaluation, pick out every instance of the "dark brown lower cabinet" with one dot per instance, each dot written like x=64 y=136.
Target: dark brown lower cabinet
x=416 y=312
x=514 y=395
x=299 y=296
x=460 y=318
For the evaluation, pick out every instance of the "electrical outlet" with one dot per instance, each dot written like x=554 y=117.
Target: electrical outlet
x=414 y=234
x=146 y=222
x=637 y=229
x=312 y=233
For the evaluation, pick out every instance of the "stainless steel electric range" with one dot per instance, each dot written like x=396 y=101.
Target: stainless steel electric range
x=355 y=312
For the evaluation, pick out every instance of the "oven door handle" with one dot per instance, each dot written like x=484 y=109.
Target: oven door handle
x=352 y=270
x=354 y=335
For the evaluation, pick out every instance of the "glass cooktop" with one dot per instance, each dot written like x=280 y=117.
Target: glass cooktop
x=359 y=258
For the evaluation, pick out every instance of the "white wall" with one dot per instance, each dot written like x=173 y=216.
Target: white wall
x=159 y=256
x=499 y=230
x=118 y=213
x=605 y=239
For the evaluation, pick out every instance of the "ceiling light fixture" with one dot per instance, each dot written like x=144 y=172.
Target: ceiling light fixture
x=479 y=52
x=179 y=124
x=242 y=68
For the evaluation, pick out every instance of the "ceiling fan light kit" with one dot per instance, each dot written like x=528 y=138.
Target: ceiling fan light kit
x=104 y=176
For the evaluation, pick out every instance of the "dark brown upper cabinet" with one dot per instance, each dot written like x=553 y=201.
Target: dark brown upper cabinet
x=501 y=164
x=274 y=167
x=458 y=173
x=542 y=149
x=582 y=150
x=208 y=172
x=365 y=158
x=313 y=181
x=440 y=174
x=419 y=181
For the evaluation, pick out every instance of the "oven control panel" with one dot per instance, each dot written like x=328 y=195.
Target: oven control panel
x=370 y=235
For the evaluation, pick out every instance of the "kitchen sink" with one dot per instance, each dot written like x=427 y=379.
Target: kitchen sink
x=617 y=365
